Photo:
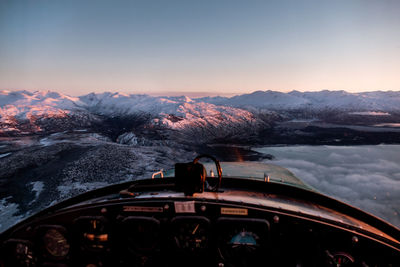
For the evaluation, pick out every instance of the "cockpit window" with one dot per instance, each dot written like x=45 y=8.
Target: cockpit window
x=98 y=93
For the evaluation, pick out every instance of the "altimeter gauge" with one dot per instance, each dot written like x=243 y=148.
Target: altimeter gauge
x=56 y=243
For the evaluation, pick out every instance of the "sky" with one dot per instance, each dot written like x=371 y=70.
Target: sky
x=203 y=47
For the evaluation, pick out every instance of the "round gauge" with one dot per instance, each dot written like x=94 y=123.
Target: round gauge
x=23 y=255
x=240 y=246
x=244 y=239
x=241 y=241
x=18 y=253
x=142 y=233
x=93 y=231
x=191 y=235
x=55 y=243
x=340 y=259
x=140 y=241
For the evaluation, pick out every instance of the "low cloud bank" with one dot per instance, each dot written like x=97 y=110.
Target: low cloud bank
x=367 y=177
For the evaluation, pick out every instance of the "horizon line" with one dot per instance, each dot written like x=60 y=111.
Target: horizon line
x=192 y=94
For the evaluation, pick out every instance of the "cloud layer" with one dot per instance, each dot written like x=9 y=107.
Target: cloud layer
x=367 y=177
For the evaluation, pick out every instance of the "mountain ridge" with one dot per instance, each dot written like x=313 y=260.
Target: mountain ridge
x=24 y=112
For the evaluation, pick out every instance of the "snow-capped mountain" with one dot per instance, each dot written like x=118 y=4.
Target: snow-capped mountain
x=384 y=101
x=24 y=104
x=30 y=109
x=366 y=101
x=27 y=112
x=261 y=99
x=24 y=111
x=173 y=112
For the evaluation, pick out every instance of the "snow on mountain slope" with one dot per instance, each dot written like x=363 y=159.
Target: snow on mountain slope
x=119 y=103
x=24 y=105
x=172 y=112
x=205 y=114
x=124 y=104
x=32 y=109
x=261 y=99
x=339 y=100
x=329 y=99
x=367 y=101
x=20 y=110
x=384 y=100
x=377 y=100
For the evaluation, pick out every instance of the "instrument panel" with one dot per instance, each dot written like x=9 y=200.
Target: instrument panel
x=177 y=233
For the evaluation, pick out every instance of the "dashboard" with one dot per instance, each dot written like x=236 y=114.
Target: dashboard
x=188 y=232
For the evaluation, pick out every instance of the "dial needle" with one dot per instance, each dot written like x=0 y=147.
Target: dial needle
x=195 y=229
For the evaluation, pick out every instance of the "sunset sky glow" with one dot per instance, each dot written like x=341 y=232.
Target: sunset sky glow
x=210 y=47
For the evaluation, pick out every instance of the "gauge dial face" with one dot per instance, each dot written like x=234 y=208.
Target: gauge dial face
x=95 y=236
x=342 y=259
x=94 y=232
x=55 y=243
x=23 y=253
x=240 y=246
x=142 y=234
x=241 y=242
x=192 y=235
x=243 y=238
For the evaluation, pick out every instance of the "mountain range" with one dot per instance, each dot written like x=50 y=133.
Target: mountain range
x=378 y=100
x=42 y=112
